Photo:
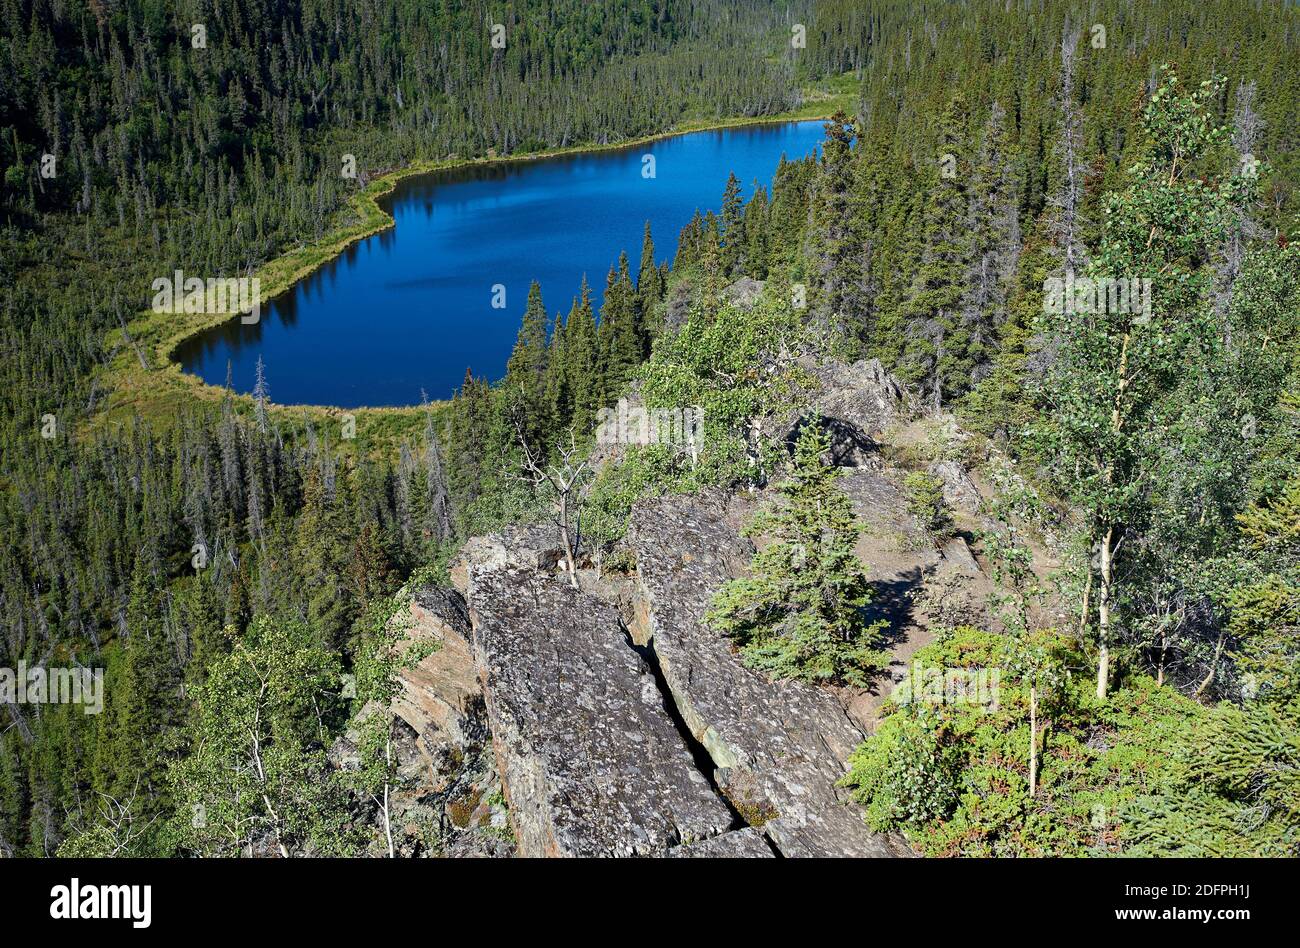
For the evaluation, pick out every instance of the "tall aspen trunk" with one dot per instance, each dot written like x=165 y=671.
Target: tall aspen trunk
x=1033 y=740
x=1087 y=601
x=388 y=816
x=1103 y=615
x=1104 y=597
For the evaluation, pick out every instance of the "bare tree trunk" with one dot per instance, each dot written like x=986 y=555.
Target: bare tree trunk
x=564 y=479
x=1214 y=666
x=388 y=817
x=1033 y=740
x=1104 y=616
x=1164 y=649
x=568 y=542
x=1104 y=598
x=1087 y=602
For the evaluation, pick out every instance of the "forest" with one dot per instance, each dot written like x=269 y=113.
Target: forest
x=208 y=556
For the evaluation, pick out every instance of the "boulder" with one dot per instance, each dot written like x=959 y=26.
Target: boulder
x=591 y=761
x=747 y=843
x=959 y=490
x=957 y=554
x=851 y=403
x=778 y=747
x=535 y=547
x=850 y=446
x=744 y=292
x=862 y=394
x=882 y=507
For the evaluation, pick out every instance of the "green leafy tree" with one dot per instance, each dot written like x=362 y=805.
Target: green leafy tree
x=386 y=650
x=1110 y=394
x=1030 y=654
x=257 y=777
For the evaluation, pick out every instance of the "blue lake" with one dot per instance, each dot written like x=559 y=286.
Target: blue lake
x=411 y=308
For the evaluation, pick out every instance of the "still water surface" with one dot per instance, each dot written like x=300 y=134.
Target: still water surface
x=411 y=308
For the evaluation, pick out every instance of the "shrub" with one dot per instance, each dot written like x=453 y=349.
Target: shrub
x=925 y=502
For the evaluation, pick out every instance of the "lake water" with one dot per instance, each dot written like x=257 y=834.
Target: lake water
x=411 y=308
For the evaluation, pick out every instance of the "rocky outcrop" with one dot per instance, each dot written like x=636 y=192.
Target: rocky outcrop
x=744 y=292
x=778 y=747
x=862 y=394
x=852 y=404
x=747 y=843
x=959 y=491
x=591 y=761
x=441 y=693
x=446 y=797
x=535 y=547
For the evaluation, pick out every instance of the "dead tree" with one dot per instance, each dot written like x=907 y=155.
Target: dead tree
x=564 y=479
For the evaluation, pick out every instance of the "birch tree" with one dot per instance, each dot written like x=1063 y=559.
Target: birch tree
x=1109 y=396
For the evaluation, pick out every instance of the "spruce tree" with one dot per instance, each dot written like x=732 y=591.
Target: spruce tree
x=621 y=340
x=755 y=226
x=525 y=380
x=585 y=369
x=650 y=286
x=937 y=350
x=834 y=250
x=733 y=228
x=801 y=614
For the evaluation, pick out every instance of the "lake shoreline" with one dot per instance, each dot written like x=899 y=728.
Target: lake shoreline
x=161 y=335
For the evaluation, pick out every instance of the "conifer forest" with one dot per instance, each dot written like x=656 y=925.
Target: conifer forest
x=933 y=491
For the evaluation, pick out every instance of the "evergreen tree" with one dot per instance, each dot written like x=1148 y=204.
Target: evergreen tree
x=141 y=712
x=559 y=394
x=756 y=225
x=833 y=247
x=321 y=560
x=801 y=614
x=733 y=229
x=620 y=337
x=993 y=231
x=938 y=351
x=584 y=369
x=1265 y=613
x=650 y=287
x=468 y=424
x=526 y=372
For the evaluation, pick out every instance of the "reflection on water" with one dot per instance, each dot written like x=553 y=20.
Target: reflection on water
x=409 y=309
